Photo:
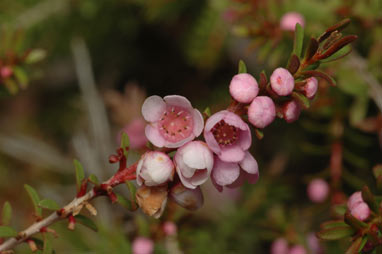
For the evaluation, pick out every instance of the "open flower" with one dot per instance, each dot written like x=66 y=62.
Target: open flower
x=154 y=168
x=228 y=136
x=173 y=120
x=233 y=174
x=194 y=162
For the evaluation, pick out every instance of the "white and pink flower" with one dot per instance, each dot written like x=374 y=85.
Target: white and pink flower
x=228 y=136
x=172 y=121
x=243 y=88
x=289 y=20
x=261 y=112
x=194 y=162
x=154 y=168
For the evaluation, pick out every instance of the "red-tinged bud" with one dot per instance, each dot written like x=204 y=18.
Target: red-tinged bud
x=191 y=199
x=291 y=111
x=72 y=222
x=113 y=159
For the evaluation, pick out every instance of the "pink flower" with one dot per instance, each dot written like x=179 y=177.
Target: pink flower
x=169 y=228
x=173 y=120
x=143 y=245
x=355 y=199
x=314 y=244
x=233 y=174
x=358 y=208
x=228 y=136
x=318 y=190
x=191 y=199
x=6 y=72
x=243 y=88
x=291 y=111
x=261 y=112
x=289 y=20
x=136 y=132
x=194 y=162
x=154 y=168
x=297 y=249
x=279 y=246
x=282 y=82
x=310 y=88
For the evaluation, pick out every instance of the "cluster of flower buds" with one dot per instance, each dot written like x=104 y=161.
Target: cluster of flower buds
x=281 y=246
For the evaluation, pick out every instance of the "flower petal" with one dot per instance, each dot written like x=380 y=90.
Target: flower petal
x=245 y=139
x=235 y=120
x=225 y=173
x=153 y=108
x=200 y=177
x=153 y=135
x=249 y=164
x=198 y=122
x=177 y=100
x=232 y=154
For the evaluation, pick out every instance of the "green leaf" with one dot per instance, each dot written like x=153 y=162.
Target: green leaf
x=21 y=76
x=80 y=174
x=7 y=232
x=207 y=111
x=298 y=40
x=336 y=233
x=132 y=190
x=354 y=247
x=124 y=202
x=333 y=224
x=364 y=241
x=35 y=198
x=94 y=179
x=35 y=56
x=6 y=214
x=301 y=99
x=125 y=143
x=49 y=204
x=11 y=86
x=48 y=248
x=338 y=55
x=86 y=222
x=242 y=67
x=259 y=134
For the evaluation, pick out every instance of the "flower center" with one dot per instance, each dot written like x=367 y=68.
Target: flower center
x=224 y=133
x=176 y=124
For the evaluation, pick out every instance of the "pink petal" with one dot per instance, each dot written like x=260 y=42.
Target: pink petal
x=235 y=120
x=232 y=154
x=177 y=100
x=217 y=186
x=153 y=108
x=249 y=164
x=224 y=172
x=197 y=155
x=198 y=122
x=199 y=177
x=153 y=135
x=180 y=143
x=245 y=139
x=191 y=199
x=214 y=119
x=185 y=180
x=211 y=141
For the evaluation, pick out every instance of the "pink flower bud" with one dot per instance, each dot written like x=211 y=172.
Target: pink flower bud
x=355 y=199
x=310 y=88
x=261 y=112
x=289 y=20
x=173 y=121
x=136 y=132
x=169 y=228
x=282 y=82
x=318 y=190
x=291 y=111
x=279 y=246
x=314 y=244
x=143 y=245
x=361 y=211
x=243 y=88
x=297 y=249
x=191 y=199
x=6 y=72
x=154 y=168
x=194 y=162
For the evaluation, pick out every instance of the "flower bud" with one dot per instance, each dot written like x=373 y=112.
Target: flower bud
x=297 y=249
x=289 y=20
x=360 y=211
x=261 y=112
x=355 y=199
x=291 y=111
x=282 y=82
x=191 y=199
x=243 y=88
x=143 y=245
x=310 y=88
x=6 y=72
x=194 y=162
x=318 y=190
x=169 y=228
x=152 y=200
x=279 y=246
x=154 y=168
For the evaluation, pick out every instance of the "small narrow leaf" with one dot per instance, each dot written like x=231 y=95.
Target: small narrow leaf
x=207 y=112
x=7 y=232
x=132 y=190
x=35 y=198
x=311 y=49
x=333 y=224
x=6 y=214
x=125 y=143
x=49 y=204
x=21 y=76
x=94 y=179
x=86 y=222
x=293 y=64
x=320 y=74
x=298 y=40
x=301 y=99
x=123 y=202
x=259 y=134
x=335 y=233
x=48 y=248
x=337 y=27
x=80 y=174
x=338 y=45
x=35 y=56
x=368 y=197
x=363 y=243
x=242 y=67
x=338 y=55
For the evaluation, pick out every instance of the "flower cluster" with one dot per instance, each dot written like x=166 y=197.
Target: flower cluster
x=281 y=246
x=358 y=208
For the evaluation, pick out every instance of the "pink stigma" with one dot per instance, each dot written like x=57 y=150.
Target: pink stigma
x=224 y=133
x=176 y=124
